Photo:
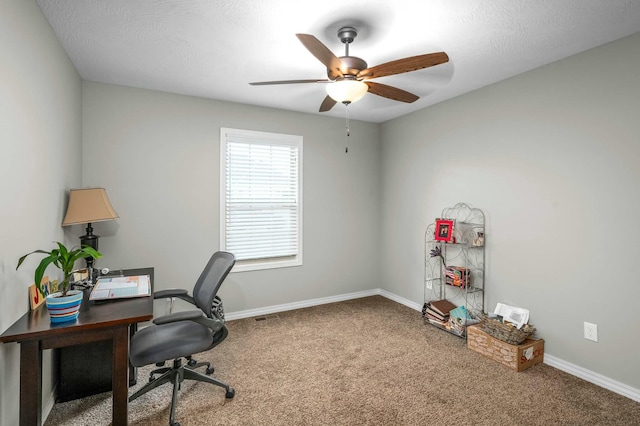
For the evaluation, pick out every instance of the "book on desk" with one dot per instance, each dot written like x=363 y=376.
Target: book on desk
x=109 y=288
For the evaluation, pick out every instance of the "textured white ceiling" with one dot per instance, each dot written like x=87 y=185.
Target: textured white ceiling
x=214 y=48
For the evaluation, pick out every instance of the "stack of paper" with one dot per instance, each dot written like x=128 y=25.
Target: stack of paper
x=518 y=316
x=121 y=287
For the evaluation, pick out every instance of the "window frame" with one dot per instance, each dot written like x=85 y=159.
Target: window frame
x=271 y=139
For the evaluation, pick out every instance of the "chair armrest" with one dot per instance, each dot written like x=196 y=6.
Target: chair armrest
x=178 y=316
x=196 y=316
x=174 y=292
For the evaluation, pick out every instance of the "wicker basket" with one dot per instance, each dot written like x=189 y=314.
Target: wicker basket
x=506 y=332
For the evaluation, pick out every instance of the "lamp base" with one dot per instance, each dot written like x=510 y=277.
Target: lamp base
x=91 y=240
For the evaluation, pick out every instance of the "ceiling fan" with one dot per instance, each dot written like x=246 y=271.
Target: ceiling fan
x=349 y=77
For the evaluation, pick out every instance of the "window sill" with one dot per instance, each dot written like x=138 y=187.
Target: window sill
x=245 y=266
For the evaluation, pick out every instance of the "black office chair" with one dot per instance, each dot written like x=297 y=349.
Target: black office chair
x=182 y=334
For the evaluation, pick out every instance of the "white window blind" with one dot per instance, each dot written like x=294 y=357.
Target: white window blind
x=261 y=198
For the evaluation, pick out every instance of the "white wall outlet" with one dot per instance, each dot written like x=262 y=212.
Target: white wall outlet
x=591 y=331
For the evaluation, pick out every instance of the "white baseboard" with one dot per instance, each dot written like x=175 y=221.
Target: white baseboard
x=595 y=378
x=401 y=300
x=583 y=373
x=229 y=316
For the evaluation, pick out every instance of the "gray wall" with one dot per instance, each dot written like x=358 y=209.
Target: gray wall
x=158 y=155
x=551 y=156
x=40 y=145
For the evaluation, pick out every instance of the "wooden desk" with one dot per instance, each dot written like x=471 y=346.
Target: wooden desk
x=96 y=322
x=85 y=370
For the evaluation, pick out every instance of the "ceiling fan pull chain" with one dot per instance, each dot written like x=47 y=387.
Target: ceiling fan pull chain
x=346 y=104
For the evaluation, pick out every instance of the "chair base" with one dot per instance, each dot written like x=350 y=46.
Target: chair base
x=191 y=363
x=176 y=375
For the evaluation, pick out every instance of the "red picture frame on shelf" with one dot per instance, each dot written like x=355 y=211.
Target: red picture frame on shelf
x=444 y=230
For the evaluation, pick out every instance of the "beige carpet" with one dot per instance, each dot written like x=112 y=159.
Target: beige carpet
x=367 y=361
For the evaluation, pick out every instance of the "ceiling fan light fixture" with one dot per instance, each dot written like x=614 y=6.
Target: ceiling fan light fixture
x=348 y=91
x=345 y=74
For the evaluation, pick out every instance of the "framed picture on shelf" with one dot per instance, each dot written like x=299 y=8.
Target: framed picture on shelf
x=478 y=238
x=444 y=230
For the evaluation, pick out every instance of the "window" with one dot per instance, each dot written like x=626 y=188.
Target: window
x=261 y=198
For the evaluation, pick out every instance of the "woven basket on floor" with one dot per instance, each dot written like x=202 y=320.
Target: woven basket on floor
x=506 y=332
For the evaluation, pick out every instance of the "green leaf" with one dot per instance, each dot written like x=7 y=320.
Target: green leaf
x=63 y=250
x=63 y=259
x=92 y=252
x=40 y=272
x=25 y=256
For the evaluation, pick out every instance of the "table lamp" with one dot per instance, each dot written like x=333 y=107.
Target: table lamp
x=88 y=205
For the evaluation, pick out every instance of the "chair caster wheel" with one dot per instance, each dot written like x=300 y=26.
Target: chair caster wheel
x=192 y=362
x=230 y=393
x=210 y=370
x=175 y=424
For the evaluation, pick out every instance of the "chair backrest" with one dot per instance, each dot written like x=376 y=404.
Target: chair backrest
x=211 y=279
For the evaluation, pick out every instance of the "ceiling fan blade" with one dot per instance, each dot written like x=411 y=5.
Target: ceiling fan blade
x=264 y=83
x=327 y=104
x=391 y=92
x=399 y=66
x=323 y=54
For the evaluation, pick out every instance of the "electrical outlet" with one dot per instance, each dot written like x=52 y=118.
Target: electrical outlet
x=591 y=331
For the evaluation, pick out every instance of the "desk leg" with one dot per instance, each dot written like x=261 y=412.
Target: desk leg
x=30 y=383
x=120 y=375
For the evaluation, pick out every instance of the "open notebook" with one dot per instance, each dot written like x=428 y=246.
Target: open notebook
x=121 y=287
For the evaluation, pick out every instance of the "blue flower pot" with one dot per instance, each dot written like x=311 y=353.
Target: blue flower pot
x=63 y=309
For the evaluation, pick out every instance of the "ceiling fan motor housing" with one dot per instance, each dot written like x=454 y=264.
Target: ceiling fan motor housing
x=350 y=66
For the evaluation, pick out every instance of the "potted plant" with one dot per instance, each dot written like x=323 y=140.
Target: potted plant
x=65 y=304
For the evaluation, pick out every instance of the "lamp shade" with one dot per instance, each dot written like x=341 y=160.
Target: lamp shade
x=347 y=91
x=88 y=205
